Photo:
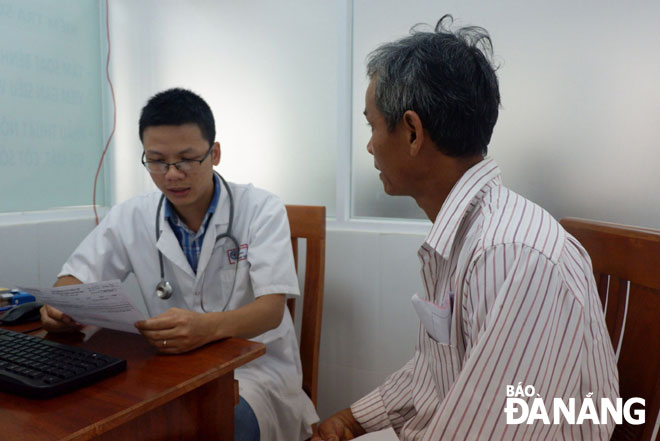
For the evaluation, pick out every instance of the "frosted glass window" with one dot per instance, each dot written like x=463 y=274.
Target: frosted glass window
x=374 y=24
x=578 y=126
x=50 y=90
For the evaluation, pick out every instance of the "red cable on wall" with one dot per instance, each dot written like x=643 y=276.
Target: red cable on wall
x=114 y=108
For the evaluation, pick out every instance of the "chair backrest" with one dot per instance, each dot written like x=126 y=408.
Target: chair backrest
x=308 y=222
x=626 y=263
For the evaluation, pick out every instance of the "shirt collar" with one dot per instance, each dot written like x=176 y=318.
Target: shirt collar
x=442 y=234
x=170 y=213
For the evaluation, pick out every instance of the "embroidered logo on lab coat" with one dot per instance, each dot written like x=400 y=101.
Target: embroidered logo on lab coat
x=233 y=255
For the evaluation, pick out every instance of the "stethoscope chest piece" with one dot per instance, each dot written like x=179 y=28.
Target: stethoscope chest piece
x=164 y=289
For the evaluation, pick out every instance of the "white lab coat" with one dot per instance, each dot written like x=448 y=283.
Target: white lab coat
x=125 y=242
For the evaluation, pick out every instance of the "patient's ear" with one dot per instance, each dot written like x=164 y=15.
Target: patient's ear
x=412 y=124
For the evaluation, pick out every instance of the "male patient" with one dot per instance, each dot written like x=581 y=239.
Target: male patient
x=522 y=301
x=224 y=249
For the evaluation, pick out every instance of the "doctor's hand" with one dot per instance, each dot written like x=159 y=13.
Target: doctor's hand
x=54 y=320
x=177 y=330
x=339 y=427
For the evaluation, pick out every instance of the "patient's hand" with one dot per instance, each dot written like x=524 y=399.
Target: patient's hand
x=339 y=427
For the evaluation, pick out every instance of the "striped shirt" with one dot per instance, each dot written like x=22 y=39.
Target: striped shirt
x=191 y=241
x=526 y=311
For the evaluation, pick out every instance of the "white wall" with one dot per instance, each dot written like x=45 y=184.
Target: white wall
x=267 y=69
x=369 y=326
x=35 y=245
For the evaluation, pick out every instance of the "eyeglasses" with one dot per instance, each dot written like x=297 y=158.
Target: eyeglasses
x=185 y=165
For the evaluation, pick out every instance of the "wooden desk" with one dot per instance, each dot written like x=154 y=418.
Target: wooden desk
x=158 y=397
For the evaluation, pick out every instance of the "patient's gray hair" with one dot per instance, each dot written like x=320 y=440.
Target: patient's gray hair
x=446 y=78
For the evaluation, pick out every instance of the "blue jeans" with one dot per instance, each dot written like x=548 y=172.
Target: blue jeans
x=246 y=427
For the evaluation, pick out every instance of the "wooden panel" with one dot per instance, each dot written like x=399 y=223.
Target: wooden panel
x=602 y=281
x=308 y=222
x=616 y=309
x=197 y=415
x=640 y=353
x=310 y=339
x=291 y=303
x=638 y=245
x=625 y=254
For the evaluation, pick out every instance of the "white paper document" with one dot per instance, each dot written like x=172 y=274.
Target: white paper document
x=435 y=319
x=382 y=435
x=104 y=304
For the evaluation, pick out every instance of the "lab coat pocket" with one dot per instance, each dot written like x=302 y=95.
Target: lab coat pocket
x=435 y=319
x=234 y=275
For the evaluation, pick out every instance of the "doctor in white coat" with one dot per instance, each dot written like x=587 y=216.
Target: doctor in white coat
x=226 y=255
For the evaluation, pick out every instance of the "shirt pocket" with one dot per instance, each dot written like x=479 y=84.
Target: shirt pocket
x=435 y=319
x=235 y=275
x=226 y=283
x=443 y=362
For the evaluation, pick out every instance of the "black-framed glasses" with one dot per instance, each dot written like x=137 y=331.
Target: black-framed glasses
x=185 y=165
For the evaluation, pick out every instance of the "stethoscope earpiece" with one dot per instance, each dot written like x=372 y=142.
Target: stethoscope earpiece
x=164 y=289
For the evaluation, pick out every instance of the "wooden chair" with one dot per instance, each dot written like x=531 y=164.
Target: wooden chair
x=626 y=263
x=308 y=222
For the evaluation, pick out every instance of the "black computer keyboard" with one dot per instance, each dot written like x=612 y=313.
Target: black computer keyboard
x=38 y=368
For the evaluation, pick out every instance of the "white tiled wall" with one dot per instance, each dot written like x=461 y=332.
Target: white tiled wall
x=33 y=252
x=56 y=241
x=18 y=259
x=369 y=326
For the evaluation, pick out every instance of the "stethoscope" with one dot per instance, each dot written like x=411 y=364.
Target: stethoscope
x=164 y=289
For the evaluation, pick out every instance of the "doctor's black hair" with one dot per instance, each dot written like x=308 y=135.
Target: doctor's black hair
x=175 y=107
x=446 y=78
